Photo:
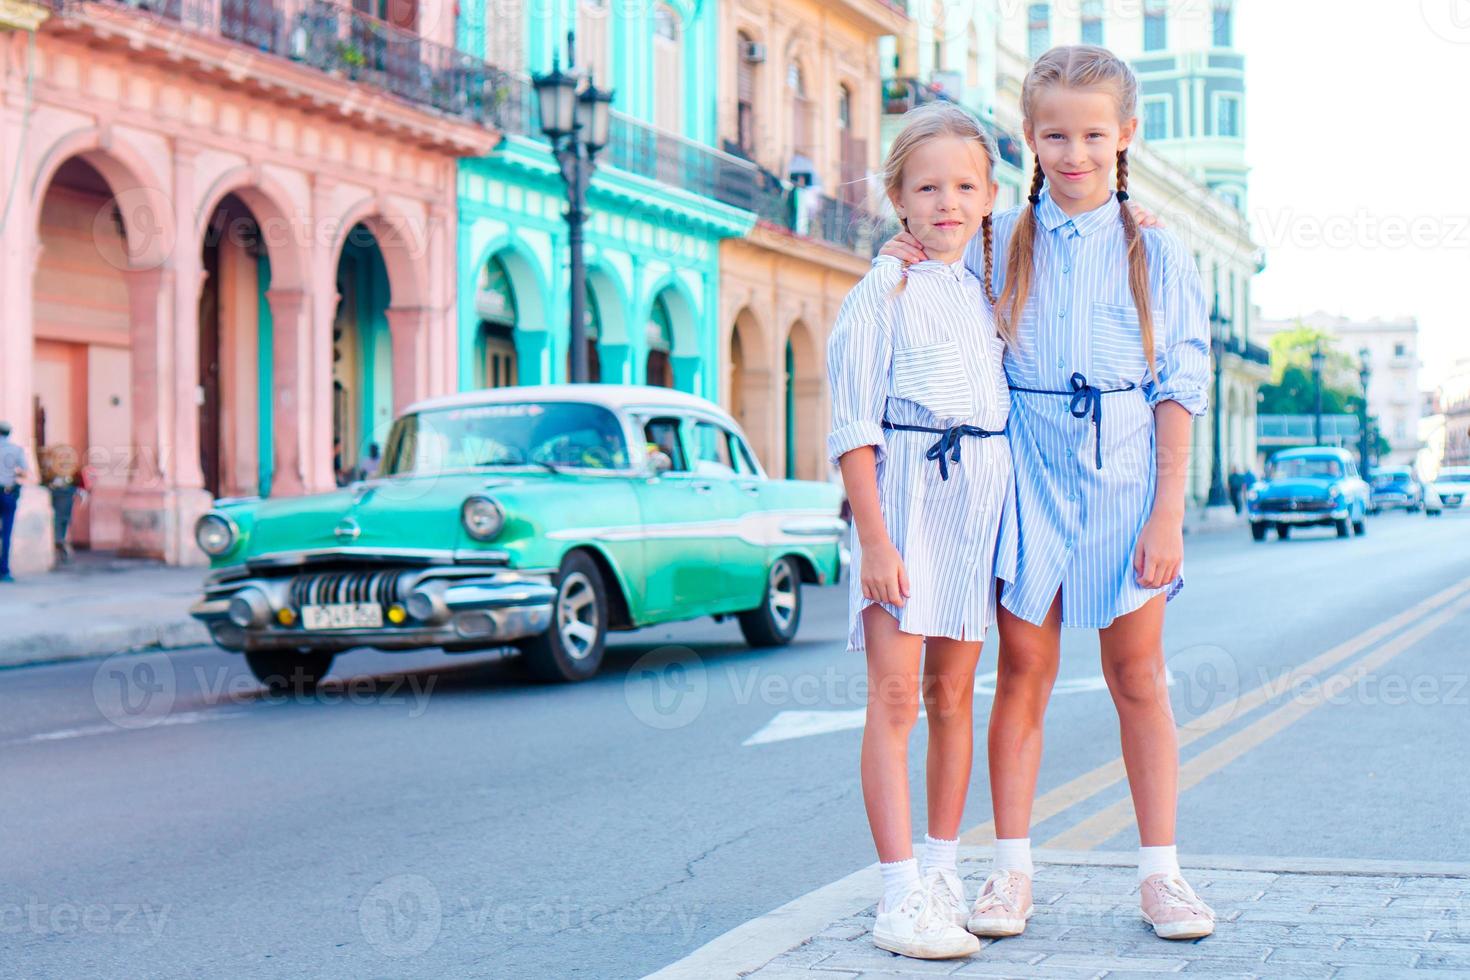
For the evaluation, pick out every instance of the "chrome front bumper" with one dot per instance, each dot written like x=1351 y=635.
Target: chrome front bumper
x=443 y=606
x=1299 y=516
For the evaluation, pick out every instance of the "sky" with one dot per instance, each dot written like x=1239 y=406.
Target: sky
x=1358 y=138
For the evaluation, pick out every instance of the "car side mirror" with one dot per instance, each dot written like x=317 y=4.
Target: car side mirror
x=659 y=462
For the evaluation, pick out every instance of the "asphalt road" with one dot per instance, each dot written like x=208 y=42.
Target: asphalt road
x=429 y=816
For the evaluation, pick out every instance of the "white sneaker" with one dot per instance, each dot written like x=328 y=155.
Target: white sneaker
x=919 y=928
x=949 y=894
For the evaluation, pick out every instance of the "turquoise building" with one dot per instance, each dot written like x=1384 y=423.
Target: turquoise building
x=660 y=202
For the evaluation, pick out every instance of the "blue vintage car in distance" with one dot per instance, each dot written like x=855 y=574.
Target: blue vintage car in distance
x=1310 y=487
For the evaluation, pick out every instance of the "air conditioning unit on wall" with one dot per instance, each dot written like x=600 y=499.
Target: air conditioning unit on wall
x=753 y=52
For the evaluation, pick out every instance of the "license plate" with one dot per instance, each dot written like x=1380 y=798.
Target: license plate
x=342 y=616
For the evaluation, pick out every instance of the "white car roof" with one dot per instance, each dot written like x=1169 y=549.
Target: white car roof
x=613 y=396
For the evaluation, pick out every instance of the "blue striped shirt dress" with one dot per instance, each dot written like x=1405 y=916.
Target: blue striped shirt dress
x=1084 y=460
x=924 y=359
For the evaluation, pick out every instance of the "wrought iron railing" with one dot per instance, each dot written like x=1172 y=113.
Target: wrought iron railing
x=1248 y=351
x=902 y=94
x=333 y=38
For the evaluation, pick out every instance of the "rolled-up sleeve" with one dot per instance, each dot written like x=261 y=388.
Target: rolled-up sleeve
x=859 y=353
x=1182 y=332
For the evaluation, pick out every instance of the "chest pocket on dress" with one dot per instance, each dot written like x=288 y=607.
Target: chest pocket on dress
x=1117 y=345
x=932 y=376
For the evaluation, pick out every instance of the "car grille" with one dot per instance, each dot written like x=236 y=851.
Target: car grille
x=380 y=587
x=1292 y=505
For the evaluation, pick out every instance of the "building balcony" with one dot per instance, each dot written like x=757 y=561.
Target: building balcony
x=725 y=176
x=1247 y=351
x=1277 y=431
x=902 y=94
x=319 y=55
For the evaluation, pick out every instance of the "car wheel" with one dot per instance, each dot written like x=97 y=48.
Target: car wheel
x=1283 y=531
x=774 y=622
x=1431 y=513
x=1342 y=528
x=1258 y=531
x=281 y=671
x=1360 y=526
x=571 y=649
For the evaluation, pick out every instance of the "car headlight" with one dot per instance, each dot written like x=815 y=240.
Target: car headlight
x=215 y=534
x=1335 y=495
x=482 y=517
x=1252 y=494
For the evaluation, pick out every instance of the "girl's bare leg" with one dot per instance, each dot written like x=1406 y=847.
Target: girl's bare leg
x=1026 y=669
x=893 y=707
x=949 y=703
x=1133 y=664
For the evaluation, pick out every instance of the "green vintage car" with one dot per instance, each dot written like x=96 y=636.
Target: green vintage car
x=537 y=517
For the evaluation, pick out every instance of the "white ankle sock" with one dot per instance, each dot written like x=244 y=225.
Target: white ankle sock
x=899 y=878
x=1014 y=854
x=1163 y=859
x=940 y=854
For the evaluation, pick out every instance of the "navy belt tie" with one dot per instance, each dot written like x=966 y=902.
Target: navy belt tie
x=1086 y=400
x=949 y=441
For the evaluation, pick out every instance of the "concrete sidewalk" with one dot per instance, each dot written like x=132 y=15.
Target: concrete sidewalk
x=95 y=605
x=1277 y=917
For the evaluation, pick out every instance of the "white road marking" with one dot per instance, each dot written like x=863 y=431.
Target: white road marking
x=800 y=724
x=85 y=731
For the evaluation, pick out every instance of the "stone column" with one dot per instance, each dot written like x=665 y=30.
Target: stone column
x=409 y=326
x=291 y=323
x=30 y=542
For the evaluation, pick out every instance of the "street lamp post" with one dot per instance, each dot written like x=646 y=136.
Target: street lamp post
x=576 y=120
x=1363 y=375
x=1219 y=325
x=1318 y=361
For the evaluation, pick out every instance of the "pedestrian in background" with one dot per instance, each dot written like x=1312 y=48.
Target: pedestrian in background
x=915 y=379
x=1236 y=485
x=65 y=478
x=1101 y=509
x=12 y=469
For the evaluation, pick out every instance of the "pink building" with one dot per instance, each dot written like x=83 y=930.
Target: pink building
x=227 y=245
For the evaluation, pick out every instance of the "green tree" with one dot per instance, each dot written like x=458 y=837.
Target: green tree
x=1292 y=390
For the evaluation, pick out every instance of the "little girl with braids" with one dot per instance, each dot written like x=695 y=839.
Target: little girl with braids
x=1107 y=359
x=919 y=405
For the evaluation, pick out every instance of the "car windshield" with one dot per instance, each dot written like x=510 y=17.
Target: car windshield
x=1454 y=476
x=551 y=434
x=1390 y=479
x=1307 y=467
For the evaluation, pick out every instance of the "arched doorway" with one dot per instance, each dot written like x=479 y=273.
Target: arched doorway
x=659 y=369
x=362 y=357
x=803 y=391
x=234 y=379
x=748 y=385
x=81 y=394
x=495 y=304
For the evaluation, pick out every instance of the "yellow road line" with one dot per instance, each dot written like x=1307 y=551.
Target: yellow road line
x=1111 y=773
x=1118 y=817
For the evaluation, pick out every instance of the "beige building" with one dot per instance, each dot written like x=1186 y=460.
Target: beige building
x=1391 y=348
x=800 y=92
